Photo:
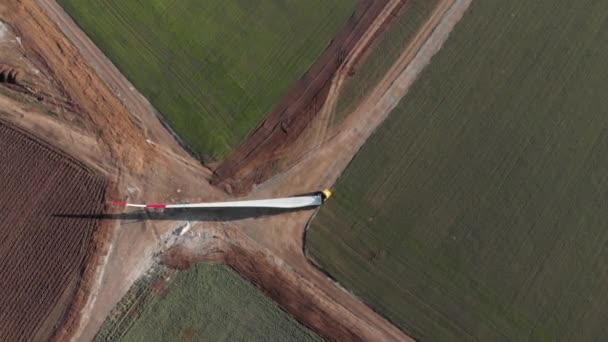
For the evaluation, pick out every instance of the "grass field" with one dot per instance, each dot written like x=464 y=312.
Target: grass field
x=212 y=68
x=478 y=210
x=383 y=54
x=208 y=302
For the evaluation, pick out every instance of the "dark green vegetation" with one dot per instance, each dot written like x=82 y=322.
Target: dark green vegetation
x=207 y=302
x=212 y=68
x=384 y=53
x=478 y=210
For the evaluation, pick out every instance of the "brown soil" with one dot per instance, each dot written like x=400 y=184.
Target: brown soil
x=41 y=253
x=253 y=162
x=10 y=74
x=26 y=78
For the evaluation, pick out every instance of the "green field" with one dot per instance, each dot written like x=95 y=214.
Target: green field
x=207 y=302
x=384 y=53
x=479 y=210
x=212 y=68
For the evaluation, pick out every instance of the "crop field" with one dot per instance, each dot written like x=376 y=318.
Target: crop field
x=207 y=302
x=42 y=256
x=383 y=54
x=212 y=68
x=478 y=210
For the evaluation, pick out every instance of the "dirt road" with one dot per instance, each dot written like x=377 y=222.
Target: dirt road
x=159 y=171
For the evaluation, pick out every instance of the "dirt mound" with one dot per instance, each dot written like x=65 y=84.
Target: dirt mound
x=9 y=74
x=181 y=259
x=255 y=160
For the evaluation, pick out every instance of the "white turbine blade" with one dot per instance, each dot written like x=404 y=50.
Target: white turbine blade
x=286 y=203
x=314 y=200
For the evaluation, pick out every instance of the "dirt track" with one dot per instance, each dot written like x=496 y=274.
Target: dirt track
x=139 y=108
x=141 y=170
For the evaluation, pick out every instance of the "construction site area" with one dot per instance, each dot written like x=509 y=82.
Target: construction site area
x=117 y=196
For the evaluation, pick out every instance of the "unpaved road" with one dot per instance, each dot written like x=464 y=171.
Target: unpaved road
x=162 y=172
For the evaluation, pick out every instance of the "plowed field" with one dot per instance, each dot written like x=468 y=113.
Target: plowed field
x=42 y=256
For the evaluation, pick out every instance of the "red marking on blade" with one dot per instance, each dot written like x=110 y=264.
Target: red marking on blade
x=156 y=206
x=122 y=204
